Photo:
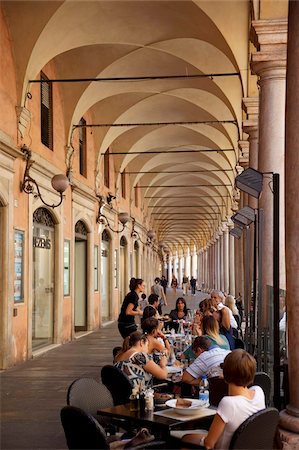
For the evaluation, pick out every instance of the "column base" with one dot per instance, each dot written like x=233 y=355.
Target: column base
x=288 y=431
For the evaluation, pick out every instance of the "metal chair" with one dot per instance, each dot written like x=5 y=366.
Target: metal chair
x=81 y=430
x=257 y=432
x=263 y=380
x=117 y=383
x=90 y=395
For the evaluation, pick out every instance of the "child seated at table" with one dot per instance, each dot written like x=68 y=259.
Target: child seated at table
x=238 y=370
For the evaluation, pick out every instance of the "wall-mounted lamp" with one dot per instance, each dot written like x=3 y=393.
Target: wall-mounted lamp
x=150 y=234
x=123 y=217
x=250 y=181
x=59 y=182
x=244 y=217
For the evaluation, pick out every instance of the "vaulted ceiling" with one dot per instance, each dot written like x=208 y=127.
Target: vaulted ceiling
x=194 y=57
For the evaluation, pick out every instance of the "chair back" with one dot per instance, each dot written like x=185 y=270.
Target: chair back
x=81 y=430
x=239 y=343
x=89 y=395
x=263 y=380
x=218 y=390
x=118 y=384
x=257 y=432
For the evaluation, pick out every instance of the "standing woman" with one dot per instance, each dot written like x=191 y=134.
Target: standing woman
x=174 y=284
x=130 y=308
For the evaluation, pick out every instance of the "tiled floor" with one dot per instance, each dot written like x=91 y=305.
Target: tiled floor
x=33 y=393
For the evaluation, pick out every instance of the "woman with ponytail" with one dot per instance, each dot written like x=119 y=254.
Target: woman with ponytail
x=136 y=363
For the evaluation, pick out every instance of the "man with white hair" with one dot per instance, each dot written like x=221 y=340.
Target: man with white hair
x=218 y=296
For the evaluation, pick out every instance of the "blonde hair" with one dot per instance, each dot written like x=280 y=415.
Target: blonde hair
x=210 y=327
x=230 y=302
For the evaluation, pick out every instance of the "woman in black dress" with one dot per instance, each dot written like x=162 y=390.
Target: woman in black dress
x=130 y=308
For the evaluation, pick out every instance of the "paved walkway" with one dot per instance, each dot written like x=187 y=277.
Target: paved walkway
x=33 y=393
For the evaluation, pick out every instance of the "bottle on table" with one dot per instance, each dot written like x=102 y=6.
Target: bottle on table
x=134 y=400
x=171 y=358
x=204 y=394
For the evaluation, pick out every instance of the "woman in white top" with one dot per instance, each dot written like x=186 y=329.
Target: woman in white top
x=238 y=370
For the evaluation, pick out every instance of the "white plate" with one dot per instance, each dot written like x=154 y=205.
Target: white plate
x=173 y=369
x=193 y=409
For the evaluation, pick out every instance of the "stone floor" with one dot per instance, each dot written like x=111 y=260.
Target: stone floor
x=33 y=393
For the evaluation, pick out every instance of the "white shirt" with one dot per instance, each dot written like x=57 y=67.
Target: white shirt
x=234 y=410
x=233 y=322
x=207 y=361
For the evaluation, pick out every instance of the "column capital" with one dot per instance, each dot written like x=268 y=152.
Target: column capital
x=243 y=153
x=270 y=61
x=251 y=108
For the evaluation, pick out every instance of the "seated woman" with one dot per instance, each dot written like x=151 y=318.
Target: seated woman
x=136 y=363
x=179 y=313
x=211 y=308
x=238 y=370
x=230 y=302
x=210 y=329
x=157 y=341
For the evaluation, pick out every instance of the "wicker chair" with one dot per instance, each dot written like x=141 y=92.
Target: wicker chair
x=89 y=395
x=257 y=432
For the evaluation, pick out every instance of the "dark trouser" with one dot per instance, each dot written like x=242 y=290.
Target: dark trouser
x=125 y=329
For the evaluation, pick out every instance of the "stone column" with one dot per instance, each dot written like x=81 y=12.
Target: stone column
x=175 y=270
x=221 y=261
x=218 y=262
x=289 y=418
x=198 y=273
x=250 y=126
x=225 y=260
x=269 y=63
x=193 y=264
x=232 y=281
x=169 y=268
x=180 y=271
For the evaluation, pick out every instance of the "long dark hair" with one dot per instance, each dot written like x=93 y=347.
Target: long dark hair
x=181 y=299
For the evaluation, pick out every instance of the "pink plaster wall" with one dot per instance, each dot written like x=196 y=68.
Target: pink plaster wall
x=8 y=92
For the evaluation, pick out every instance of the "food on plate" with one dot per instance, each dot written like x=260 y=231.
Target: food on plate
x=182 y=403
x=162 y=398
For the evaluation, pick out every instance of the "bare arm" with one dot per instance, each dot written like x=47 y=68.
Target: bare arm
x=209 y=440
x=131 y=312
x=215 y=431
x=225 y=319
x=155 y=370
x=189 y=379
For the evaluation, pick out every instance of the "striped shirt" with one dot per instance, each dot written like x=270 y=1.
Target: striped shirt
x=207 y=361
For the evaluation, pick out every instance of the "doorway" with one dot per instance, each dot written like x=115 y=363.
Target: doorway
x=136 y=260
x=80 y=297
x=43 y=279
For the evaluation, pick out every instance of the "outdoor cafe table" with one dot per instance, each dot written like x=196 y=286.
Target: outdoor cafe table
x=159 y=424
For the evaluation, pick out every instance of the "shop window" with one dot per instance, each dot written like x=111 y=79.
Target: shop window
x=96 y=268
x=66 y=268
x=107 y=168
x=46 y=112
x=82 y=147
x=19 y=267
x=123 y=184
